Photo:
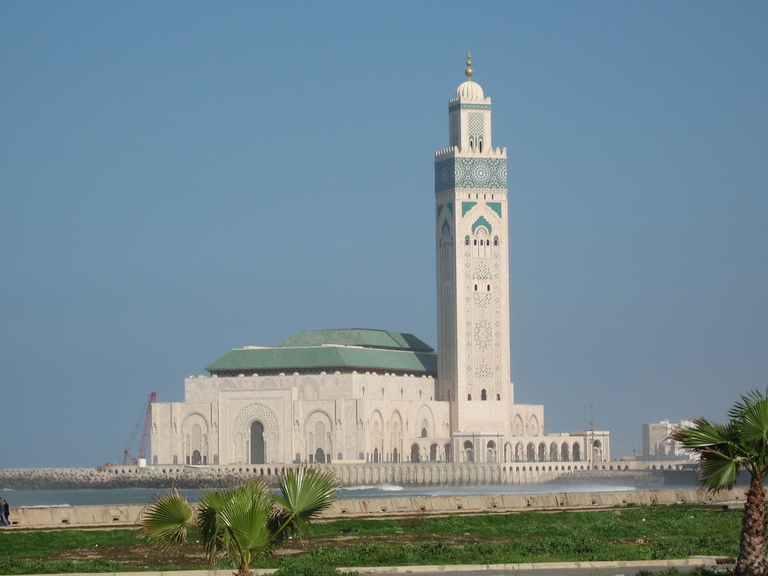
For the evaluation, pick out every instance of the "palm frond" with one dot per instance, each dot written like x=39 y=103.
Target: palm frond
x=750 y=398
x=211 y=528
x=753 y=423
x=235 y=521
x=304 y=493
x=247 y=531
x=168 y=521
x=719 y=469
x=703 y=434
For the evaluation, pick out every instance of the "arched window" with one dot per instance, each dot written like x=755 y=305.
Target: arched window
x=257 y=443
x=468 y=454
x=483 y=395
x=490 y=452
x=482 y=249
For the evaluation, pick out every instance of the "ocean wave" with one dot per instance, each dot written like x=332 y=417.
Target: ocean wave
x=383 y=487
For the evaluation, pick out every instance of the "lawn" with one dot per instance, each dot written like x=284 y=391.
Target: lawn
x=631 y=533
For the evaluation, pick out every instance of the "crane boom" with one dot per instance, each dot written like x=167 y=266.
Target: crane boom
x=145 y=424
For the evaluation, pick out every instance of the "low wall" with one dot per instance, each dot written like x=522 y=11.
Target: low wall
x=349 y=474
x=62 y=516
x=128 y=515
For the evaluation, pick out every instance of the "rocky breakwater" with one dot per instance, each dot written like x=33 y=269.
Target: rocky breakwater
x=612 y=477
x=120 y=477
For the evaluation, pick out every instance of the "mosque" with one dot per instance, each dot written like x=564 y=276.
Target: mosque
x=373 y=396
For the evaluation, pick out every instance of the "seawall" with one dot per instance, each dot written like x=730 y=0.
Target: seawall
x=129 y=515
x=349 y=474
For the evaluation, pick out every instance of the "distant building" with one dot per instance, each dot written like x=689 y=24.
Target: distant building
x=377 y=396
x=657 y=445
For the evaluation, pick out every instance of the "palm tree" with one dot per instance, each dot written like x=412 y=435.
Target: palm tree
x=728 y=449
x=244 y=522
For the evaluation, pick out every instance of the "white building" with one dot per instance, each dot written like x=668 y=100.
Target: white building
x=377 y=396
x=657 y=445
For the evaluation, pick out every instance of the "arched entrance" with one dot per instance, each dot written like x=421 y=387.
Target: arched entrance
x=597 y=451
x=415 y=453
x=469 y=455
x=196 y=458
x=257 y=442
x=319 y=456
x=490 y=452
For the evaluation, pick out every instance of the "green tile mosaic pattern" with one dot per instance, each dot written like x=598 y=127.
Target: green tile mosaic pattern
x=465 y=106
x=489 y=173
x=466 y=207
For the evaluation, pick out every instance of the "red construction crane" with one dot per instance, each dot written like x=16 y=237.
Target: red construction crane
x=145 y=423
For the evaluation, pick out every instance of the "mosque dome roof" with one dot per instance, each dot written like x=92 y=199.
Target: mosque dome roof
x=345 y=351
x=470 y=91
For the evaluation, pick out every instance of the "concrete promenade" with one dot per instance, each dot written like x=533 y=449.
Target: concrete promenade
x=126 y=515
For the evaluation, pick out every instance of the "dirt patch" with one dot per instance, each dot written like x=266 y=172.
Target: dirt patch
x=141 y=555
x=135 y=555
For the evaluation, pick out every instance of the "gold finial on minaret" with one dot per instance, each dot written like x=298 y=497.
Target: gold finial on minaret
x=469 y=71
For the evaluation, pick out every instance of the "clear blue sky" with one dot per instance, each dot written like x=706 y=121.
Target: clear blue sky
x=178 y=179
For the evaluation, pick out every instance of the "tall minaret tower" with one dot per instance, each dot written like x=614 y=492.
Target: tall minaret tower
x=473 y=276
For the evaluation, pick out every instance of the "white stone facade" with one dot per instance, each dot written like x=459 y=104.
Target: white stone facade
x=462 y=410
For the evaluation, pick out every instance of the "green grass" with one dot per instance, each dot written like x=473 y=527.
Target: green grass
x=635 y=533
x=48 y=543
x=11 y=566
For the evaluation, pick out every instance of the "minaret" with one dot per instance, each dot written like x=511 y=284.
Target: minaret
x=473 y=276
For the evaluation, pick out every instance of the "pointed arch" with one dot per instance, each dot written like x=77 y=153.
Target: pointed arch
x=396 y=435
x=242 y=430
x=195 y=432
x=318 y=435
x=309 y=389
x=377 y=436
x=533 y=426
x=426 y=419
x=517 y=425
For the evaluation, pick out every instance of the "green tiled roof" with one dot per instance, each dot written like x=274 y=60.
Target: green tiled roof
x=334 y=349
x=358 y=337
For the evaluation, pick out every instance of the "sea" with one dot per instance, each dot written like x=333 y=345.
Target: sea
x=106 y=496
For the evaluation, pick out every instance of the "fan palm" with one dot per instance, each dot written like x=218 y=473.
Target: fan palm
x=244 y=522
x=728 y=449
